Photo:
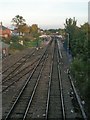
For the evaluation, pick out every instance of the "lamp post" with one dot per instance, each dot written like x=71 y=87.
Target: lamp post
x=68 y=42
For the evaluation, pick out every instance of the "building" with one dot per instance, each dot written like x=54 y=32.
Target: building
x=15 y=32
x=4 y=31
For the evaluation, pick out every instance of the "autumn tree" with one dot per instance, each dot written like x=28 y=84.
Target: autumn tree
x=34 y=30
x=24 y=29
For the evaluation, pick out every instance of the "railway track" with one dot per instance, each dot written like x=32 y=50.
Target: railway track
x=63 y=101
x=7 y=68
x=54 y=108
x=37 y=106
x=23 y=97
x=16 y=66
x=48 y=92
x=71 y=103
x=14 y=77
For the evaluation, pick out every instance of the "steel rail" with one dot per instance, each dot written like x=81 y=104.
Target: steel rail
x=22 y=63
x=23 y=88
x=34 y=90
x=74 y=90
x=78 y=98
x=49 y=89
x=16 y=80
x=20 y=71
x=17 y=62
x=60 y=84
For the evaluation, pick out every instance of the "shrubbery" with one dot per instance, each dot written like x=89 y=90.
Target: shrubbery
x=16 y=46
x=80 y=66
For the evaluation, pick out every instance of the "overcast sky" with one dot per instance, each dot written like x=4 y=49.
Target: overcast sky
x=45 y=13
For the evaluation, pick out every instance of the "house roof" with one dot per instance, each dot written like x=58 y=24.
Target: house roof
x=3 y=27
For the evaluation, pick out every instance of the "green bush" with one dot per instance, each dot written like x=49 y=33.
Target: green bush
x=79 y=69
x=33 y=43
x=14 y=38
x=16 y=46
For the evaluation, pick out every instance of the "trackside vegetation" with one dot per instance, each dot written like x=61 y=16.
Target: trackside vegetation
x=79 y=42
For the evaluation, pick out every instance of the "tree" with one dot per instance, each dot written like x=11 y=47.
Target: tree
x=35 y=33
x=34 y=30
x=70 y=26
x=24 y=29
x=18 y=21
x=80 y=66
